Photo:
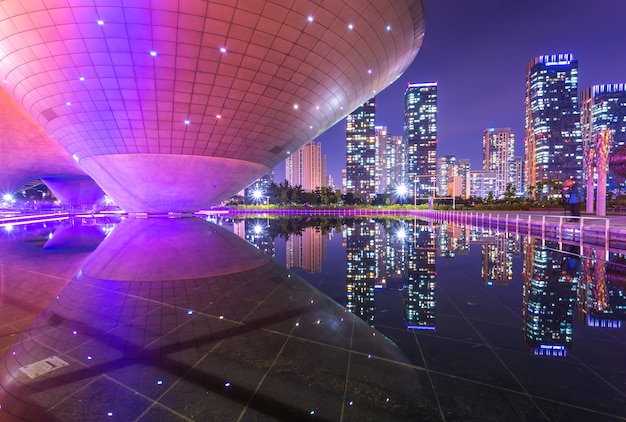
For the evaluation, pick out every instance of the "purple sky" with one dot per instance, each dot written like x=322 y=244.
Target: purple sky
x=477 y=51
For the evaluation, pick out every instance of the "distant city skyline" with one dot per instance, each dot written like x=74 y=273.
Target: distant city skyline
x=477 y=53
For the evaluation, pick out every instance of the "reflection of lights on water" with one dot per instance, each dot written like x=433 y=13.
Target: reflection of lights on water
x=401 y=233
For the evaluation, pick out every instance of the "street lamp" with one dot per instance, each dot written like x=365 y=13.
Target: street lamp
x=401 y=192
x=257 y=195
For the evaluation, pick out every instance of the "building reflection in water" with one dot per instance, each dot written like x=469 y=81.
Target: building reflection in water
x=307 y=250
x=498 y=255
x=256 y=232
x=551 y=279
x=397 y=254
x=362 y=271
x=391 y=254
x=602 y=296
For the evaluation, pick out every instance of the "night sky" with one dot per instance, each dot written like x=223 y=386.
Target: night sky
x=477 y=51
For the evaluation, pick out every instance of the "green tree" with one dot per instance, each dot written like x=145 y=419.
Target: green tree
x=509 y=192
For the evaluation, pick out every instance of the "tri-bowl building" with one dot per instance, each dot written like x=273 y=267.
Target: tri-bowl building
x=174 y=106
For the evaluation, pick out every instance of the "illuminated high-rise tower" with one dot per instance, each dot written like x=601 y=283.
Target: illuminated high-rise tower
x=391 y=160
x=499 y=156
x=361 y=151
x=553 y=136
x=604 y=107
x=307 y=167
x=420 y=132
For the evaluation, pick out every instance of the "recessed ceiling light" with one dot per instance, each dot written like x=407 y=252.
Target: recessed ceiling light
x=100 y=22
x=222 y=49
x=310 y=18
x=82 y=78
x=219 y=116
x=153 y=53
x=388 y=27
x=68 y=103
x=295 y=106
x=350 y=26
x=187 y=122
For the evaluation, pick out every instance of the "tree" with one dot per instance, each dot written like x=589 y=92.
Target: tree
x=539 y=191
x=509 y=192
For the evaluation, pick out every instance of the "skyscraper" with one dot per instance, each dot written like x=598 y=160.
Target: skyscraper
x=453 y=176
x=553 y=134
x=604 y=107
x=446 y=167
x=307 y=167
x=391 y=160
x=420 y=132
x=361 y=151
x=499 y=156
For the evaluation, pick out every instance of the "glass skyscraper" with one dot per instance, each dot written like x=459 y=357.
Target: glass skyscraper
x=361 y=151
x=499 y=156
x=391 y=162
x=604 y=106
x=553 y=135
x=420 y=132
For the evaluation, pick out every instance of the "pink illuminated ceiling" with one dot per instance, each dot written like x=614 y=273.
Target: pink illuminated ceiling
x=235 y=85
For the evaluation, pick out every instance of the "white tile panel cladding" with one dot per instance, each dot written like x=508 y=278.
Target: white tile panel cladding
x=132 y=102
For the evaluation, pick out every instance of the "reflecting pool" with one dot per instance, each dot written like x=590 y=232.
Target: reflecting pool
x=336 y=319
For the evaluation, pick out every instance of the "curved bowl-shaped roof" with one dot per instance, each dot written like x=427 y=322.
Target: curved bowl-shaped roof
x=231 y=89
x=27 y=152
